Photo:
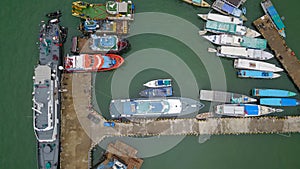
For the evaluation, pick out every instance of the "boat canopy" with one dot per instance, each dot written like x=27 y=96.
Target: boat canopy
x=251 y=110
x=197 y=1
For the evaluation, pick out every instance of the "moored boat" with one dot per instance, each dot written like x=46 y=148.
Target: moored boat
x=225 y=97
x=256 y=74
x=159 y=83
x=241 y=52
x=108 y=44
x=153 y=107
x=220 y=27
x=157 y=92
x=244 y=110
x=272 y=93
x=279 y=101
x=54 y=15
x=270 y=10
x=235 y=40
x=225 y=8
x=92 y=62
x=123 y=10
x=256 y=65
x=200 y=3
x=221 y=18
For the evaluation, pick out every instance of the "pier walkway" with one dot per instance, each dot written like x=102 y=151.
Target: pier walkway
x=282 y=52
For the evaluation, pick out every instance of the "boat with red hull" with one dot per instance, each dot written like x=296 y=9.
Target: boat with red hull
x=92 y=62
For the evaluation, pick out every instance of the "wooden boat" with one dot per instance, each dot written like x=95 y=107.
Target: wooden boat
x=256 y=74
x=159 y=83
x=256 y=65
x=272 y=93
x=241 y=52
x=199 y=3
x=279 y=102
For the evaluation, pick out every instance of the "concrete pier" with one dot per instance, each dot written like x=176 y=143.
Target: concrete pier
x=283 y=53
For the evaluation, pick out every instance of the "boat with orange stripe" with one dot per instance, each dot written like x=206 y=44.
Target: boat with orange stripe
x=92 y=62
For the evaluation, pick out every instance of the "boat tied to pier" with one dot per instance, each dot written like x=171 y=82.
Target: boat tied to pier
x=200 y=3
x=226 y=8
x=221 y=18
x=241 y=52
x=244 y=110
x=157 y=92
x=153 y=107
x=239 y=41
x=224 y=97
x=272 y=93
x=256 y=74
x=108 y=44
x=220 y=28
x=159 y=83
x=92 y=62
x=256 y=65
x=279 y=102
x=270 y=10
x=46 y=92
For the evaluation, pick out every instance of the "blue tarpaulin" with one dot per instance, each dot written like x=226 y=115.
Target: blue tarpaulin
x=251 y=110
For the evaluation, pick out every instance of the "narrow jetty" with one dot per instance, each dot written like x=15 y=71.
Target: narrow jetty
x=282 y=52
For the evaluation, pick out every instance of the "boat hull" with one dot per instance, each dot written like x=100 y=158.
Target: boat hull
x=159 y=83
x=201 y=4
x=272 y=93
x=225 y=97
x=157 y=92
x=135 y=108
x=255 y=65
x=257 y=74
x=279 y=101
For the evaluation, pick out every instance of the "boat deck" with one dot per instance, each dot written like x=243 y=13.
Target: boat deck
x=283 y=53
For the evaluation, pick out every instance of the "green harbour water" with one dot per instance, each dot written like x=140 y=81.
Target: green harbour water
x=19 y=55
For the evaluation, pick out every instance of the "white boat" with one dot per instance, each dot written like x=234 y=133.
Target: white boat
x=244 y=110
x=235 y=40
x=256 y=65
x=221 y=27
x=241 y=52
x=158 y=83
x=221 y=18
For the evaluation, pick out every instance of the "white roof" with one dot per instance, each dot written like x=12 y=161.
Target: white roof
x=233 y=109
x=42 y=73
x=122 y=7
x=230 y=50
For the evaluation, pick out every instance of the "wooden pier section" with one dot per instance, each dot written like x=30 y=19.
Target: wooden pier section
x=90 y=123
x=282 y=52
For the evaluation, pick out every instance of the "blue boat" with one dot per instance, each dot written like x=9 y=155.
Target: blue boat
x=226 y=8
x=270 y=10
x=272 y=93
x=279 y=101
x=157 y=92
x=90 y=25
x=257 y=74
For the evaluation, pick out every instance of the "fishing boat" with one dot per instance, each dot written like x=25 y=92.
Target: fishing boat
x=90 y=25
x=221 y=18
x=241 y=52
x=244 y=110
x=220 y=28
x=272 y=93
x=256 y=74
x=200 y=3
x=157 y=92
x=153 y=107
x=224 y=97
x=225 y=8
x=235 y=3
x=256 y=65
x=235 y=40
x=92 y=62
x=159 y=83
x=204 y=116
x=108 y=44
x=270 y=10
x=279 y=102
x=46 y=92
